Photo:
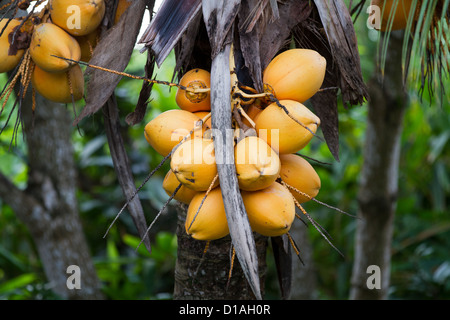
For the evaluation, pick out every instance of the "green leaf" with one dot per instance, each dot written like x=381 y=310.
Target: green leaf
x=17 y=283
x=134 y=242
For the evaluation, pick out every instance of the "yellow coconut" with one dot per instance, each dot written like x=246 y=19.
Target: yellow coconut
x=193 y=102
x=211 y=222
x=59 y=87
x=77 y=17
x=194 y=164
x=8 y=62
x=295 y=74
x=281 y=132
x=300 y=174
x=122 y=6
x=201 y=115
x=88 y=43
x=166 y=130
x=257 y=164
x=170 y=183
x=253 y=111
x=270 y=211
x=399 y=18
x=49 y=40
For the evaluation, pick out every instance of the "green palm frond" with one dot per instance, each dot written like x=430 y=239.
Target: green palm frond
x=426 y=47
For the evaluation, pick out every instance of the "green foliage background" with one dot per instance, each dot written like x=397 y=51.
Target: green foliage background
x=420 y=258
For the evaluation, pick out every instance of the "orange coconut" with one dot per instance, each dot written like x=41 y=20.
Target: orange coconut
x=170 y=183
x=8 y=62
x=399 y=18
x=257 y=164
x=210 y=223
x=88 y=43
x=270 y=211
x=122 y=6
x=295 y=74
x=300 y=174
x=59 y=87
x=194 y=164
x=49 y=40
x=253 y=111
x=166 y=130
x=77 y=17
x=193 y=102
x=201 y=115
x=282 y=133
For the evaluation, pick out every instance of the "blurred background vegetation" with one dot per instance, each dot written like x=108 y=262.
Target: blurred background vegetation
x=420 y=254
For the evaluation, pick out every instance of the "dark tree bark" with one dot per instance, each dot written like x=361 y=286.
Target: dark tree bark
x=377 y=196
x=201 y=275
x=48 y=206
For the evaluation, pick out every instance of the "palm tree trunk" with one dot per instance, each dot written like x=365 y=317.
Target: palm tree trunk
x=205 y=275
x=48 y=206
x=377 y=196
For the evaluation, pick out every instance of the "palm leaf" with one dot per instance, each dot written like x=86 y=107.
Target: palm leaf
x=425 y=52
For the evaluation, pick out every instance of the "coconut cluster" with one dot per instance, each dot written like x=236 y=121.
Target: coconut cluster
x=272 y=178
x=56 y=38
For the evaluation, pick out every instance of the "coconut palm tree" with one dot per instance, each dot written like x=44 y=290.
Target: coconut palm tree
x=236 y=40
x=203 y=34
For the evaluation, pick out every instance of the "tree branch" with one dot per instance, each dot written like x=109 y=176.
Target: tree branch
x=19 y=201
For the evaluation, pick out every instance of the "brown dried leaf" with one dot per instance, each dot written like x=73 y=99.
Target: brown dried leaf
x=275 y=34
x=141 y=107
x=249 y=39
x=19 y=40
x=186 y=46
x=341 y=36
x=262 y=36
x=219 y=17
x=113 y=52
x=283 y=262
x=308 y=35
x=326 y=108
x=172 y=19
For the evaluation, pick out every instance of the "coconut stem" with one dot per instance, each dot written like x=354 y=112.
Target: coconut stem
x=24 y=72
x=159 y=213
x=318 y=227
x=119 y=73
x=208 y=242
x=295 y=247
x=233 y=255
x=274 y=99
x=246 y=116
x=314 y=199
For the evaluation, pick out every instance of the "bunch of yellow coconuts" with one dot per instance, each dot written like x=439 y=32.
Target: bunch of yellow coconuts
x=66 y=29
x=272 y=178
